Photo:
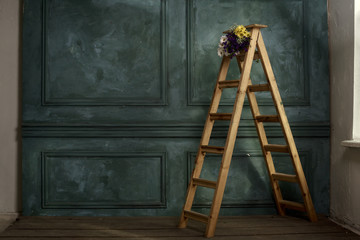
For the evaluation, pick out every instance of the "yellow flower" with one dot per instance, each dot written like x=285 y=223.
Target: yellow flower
x=241 y=32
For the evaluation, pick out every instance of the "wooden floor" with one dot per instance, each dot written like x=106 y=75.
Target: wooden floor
x=244 y=227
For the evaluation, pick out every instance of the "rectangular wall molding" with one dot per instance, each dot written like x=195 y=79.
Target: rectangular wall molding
x=103 y=180
x=199 y=89
x=248 y=184
x=166 y=130
x=95 y=59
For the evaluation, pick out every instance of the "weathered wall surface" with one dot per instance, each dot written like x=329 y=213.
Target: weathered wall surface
x=115 y=94
x=9 y=106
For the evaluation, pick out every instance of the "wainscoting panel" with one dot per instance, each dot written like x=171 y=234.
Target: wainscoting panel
x=103 y=180
x=139 y=176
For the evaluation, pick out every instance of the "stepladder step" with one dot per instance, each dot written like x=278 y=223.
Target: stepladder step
x=229 y=84
x=276 y=148
x=212 y=149
x=196 y=216
x=220 y=116
x=204 y=183
x=259 y=88
x=292 y=205
x=267 y=118
x=284 y=177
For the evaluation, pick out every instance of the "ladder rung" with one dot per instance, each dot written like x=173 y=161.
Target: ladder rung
x=276 y=148
x=220 y=116
x=229 y=84
x=284 y=177
x=196 y=216
x=292 y=205
x=204 y=183
x=267 y=118
x=259 y=88
x=212 y=149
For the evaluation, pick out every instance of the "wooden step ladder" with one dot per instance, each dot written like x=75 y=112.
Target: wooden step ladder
x=255 y=51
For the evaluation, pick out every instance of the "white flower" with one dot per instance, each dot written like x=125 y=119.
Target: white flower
x=220 y=51
x=223 y=39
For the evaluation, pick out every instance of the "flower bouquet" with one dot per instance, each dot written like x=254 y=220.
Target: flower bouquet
x=235 y=41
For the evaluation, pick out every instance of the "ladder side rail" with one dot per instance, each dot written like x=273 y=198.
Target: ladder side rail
x=263 y=141
x=286 y=128
x=232 y=132
x=215 y=101
x=204 y=141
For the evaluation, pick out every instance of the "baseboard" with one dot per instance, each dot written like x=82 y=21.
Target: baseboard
x=11 y=215
x=348 y=225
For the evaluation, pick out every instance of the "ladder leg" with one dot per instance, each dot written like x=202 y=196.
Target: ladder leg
x=191 y=189
x=263 y=141
x=204 y=141
x=286 y=129
x=232 y=132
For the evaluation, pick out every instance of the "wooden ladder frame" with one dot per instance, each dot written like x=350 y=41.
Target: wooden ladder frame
x=244 y=87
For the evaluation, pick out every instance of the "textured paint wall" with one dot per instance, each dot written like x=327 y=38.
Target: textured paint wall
x=356 y=117
x=73 y=51
x=9 y=106
x=345 y=162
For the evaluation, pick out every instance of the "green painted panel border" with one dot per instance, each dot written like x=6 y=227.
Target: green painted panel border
x=163 y=130
x=118 y=205
x=162 y=101
x=288 y=101
x=304 y=154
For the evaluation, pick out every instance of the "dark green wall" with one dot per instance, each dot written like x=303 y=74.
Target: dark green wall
x=115 y=94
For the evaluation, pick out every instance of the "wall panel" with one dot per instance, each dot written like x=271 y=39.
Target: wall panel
x=92 y=58
x=103 y=180
x=115 y=94
x=287 y=47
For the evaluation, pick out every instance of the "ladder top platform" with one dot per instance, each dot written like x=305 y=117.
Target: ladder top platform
x=256 y=26
x=251 y=26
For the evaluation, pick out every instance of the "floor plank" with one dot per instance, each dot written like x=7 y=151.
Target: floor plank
x=243 y=227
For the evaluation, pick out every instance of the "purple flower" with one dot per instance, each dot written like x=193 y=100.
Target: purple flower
x=232 y=44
